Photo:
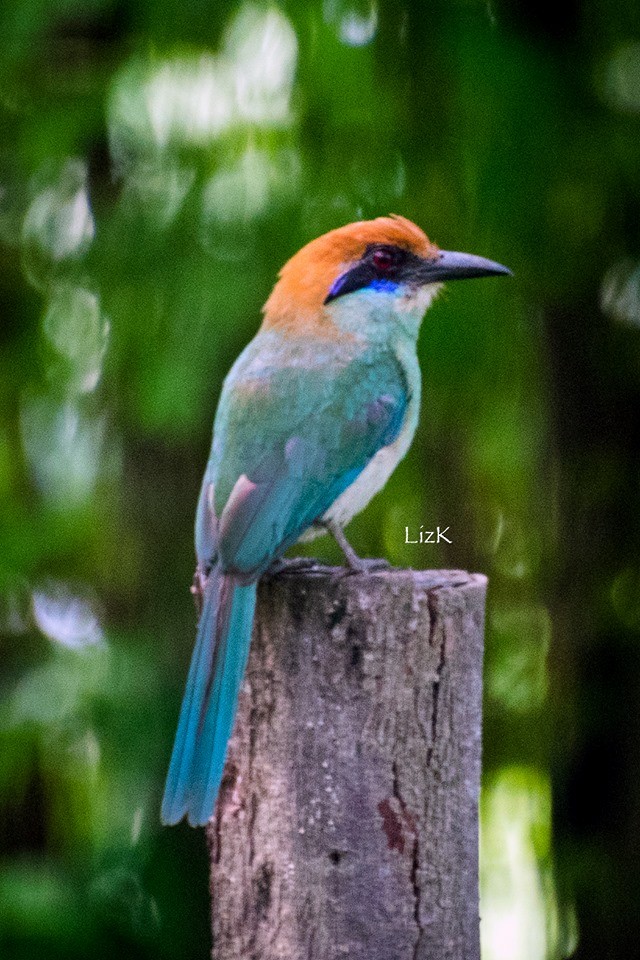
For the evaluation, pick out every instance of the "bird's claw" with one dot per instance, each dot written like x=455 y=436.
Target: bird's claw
x=367 y=565
x=197 y=588
x=291 y=565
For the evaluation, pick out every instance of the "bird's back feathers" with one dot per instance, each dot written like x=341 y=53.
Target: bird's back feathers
x=319 y=426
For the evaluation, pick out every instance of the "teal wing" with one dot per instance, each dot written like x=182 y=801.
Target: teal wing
x=278 y=465
x=287 y=443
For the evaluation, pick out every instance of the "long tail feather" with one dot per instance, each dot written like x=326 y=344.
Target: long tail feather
x=210 y=700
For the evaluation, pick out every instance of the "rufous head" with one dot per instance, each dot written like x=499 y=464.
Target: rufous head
x=388 y=255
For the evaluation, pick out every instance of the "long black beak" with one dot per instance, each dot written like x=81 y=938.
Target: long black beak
x=459 y=266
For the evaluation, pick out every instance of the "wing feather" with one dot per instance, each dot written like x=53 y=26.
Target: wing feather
x=284 y=470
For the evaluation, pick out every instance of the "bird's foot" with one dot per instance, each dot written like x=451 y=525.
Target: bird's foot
x=367 y=564
x=197 y=588
x=355 y=563
x=291 y=565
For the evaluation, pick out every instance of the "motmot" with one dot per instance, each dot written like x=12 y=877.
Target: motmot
x=313 y=417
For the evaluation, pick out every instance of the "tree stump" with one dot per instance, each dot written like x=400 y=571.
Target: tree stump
x=347 y=823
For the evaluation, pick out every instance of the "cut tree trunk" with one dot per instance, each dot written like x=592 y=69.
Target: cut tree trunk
x=347 y=823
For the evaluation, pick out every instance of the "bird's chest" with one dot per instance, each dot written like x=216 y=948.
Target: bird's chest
x=375 y=475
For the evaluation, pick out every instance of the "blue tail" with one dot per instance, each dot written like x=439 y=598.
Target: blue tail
x=210 y=700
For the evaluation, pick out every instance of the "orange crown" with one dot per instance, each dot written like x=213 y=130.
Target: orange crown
x=297 y=300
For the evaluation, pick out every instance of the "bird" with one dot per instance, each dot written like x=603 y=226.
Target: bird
x=313 y=417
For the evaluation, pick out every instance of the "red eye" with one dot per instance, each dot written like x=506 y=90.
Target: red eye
x=383 y=260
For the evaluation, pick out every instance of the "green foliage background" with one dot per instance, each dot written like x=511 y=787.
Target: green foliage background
x=158 y=163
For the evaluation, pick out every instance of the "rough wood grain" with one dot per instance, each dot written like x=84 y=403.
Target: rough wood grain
x=347 y=823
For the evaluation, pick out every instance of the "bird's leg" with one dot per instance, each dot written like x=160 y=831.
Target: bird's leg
x=355 y=563
x=336 y=531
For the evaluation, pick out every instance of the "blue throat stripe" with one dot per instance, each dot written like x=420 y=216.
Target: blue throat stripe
x=385 y=286
x=381 y=284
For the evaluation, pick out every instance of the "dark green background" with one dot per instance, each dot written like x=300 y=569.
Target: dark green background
x=158 y=163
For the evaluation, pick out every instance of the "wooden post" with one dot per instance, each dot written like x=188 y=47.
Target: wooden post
x=347 y=824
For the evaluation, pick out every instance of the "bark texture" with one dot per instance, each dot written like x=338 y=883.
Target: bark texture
x=347 y=824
